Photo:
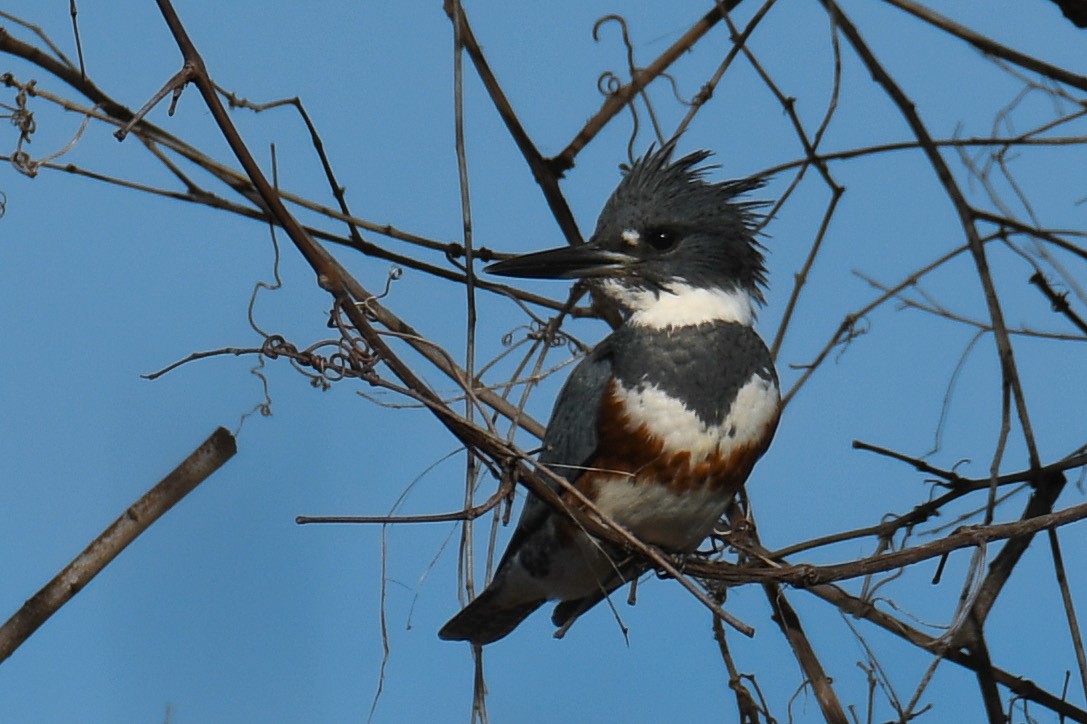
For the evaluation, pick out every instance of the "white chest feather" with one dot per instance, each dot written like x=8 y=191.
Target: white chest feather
x=676 y=521
x=679 y=517
x=755 y=408
x=681 y=305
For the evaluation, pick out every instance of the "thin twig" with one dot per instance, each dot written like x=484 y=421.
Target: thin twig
x=1069 y=606
x=174 y=85
x=618 y=100
x=462 y=515
x=1059 y=301
x=789 y=623
x=73 y=11
x=542 y=171
x=989 y=46
x=706 y=91
x=804 y=575
x=846 y=330
x=1015 y=683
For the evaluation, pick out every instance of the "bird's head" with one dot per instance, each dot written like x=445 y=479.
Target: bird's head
x=668 y=245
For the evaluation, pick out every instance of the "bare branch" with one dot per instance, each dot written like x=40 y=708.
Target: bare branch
x=789 y=623
x=966 y=215
x=1018 y=534
x=989 y=46
x=196 y=468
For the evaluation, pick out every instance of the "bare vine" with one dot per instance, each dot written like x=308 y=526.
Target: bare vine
x=364 y=342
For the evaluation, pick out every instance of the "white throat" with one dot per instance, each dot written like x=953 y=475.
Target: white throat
x=681 y=305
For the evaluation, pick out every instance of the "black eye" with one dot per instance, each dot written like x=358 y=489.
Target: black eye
x=661 y=239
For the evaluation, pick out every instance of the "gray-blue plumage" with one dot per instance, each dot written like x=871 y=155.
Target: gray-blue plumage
x=702 y=365
x=672 y=360
x=662 y=198
x=663 y=420
x=568 y=444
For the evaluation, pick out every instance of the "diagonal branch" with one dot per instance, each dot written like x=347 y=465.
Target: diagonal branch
x=617 y=101
x=543 y=172
x=337 y=281
x=1018 y=533
x=789 y=623
x=1041 y=501
x=990 y=46
x=1020 y=686
x=195 y=469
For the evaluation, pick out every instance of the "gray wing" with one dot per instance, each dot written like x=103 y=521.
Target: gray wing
x=571 y=436
x=569 y=443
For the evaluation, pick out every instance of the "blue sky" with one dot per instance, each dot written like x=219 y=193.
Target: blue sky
x=225 y=610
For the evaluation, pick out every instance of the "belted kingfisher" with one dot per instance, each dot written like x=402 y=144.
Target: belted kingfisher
x=662 y=422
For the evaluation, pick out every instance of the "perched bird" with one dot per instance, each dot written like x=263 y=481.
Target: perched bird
x=662 y=422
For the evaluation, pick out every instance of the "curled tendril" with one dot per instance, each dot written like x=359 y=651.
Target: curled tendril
x=349 y=358
x=622 y=23
x=20 y=161
x=23 y=118
x=552 y=338
x=394 y=274
x=20 y=117
x=679 y=98
x=608 y=83
x=335 y=367
x=275 y=345
x=264 y=407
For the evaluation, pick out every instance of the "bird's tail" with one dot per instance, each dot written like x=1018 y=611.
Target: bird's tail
x=487 y=618
x=567 y=612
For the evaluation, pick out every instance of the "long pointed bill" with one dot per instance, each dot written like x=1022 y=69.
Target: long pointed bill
x=568 y=262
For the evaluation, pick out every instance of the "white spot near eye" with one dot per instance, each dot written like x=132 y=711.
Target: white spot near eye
x=631 y=237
